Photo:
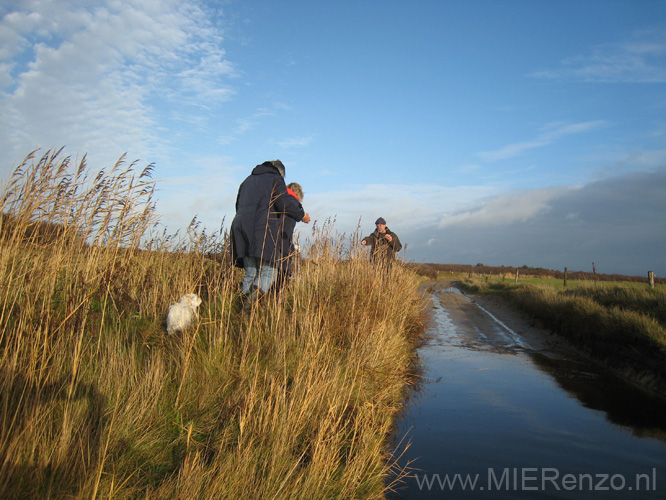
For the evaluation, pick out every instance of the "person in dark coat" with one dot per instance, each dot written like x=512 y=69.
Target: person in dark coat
x=261 y=206
x=384 y=243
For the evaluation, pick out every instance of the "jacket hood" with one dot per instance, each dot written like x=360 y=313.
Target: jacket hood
x=274 y=167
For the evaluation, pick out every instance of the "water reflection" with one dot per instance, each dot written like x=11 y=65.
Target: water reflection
x=488 y=402
x=596 y=389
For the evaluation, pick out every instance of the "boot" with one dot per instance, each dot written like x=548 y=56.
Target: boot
x=251 y=298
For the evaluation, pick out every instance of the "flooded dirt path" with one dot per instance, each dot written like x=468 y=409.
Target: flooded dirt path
x=505 y=409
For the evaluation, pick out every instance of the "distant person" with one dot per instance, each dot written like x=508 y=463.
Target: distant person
x=262 y=206
x=289 y=248
x=384 y=243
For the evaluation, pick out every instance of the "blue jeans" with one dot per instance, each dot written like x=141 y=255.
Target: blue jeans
x=258 y=273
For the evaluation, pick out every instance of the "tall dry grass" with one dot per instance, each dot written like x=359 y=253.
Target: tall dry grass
x=294 y=399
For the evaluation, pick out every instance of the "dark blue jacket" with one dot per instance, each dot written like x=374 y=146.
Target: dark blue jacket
x=262 y=205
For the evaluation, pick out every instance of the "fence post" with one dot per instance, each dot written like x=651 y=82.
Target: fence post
x=566 y=269
x=651 y=278
x=516 y=276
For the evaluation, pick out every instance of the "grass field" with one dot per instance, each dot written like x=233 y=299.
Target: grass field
x=621 y=324
x=293 y=399
x=558 y=284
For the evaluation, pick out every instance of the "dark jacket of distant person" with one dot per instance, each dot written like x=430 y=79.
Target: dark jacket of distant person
x=261 y=205
x=381 y=249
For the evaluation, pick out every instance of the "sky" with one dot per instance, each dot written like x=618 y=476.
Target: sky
x=501 y=132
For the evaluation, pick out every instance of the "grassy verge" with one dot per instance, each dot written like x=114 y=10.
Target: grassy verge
x=623 y=325
x=294 y=399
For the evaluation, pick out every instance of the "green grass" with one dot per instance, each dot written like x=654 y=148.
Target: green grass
x=558 y=284
x=587 y=284
x=620 y=324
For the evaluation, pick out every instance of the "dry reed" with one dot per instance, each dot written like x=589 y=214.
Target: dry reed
x=294 y=399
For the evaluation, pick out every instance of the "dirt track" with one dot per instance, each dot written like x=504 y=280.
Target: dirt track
x=481 y=313
x=510 y=330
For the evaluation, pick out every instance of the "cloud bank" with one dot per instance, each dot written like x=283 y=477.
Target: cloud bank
x=618 y=223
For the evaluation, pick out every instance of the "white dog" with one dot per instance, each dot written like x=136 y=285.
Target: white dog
x=183 y=313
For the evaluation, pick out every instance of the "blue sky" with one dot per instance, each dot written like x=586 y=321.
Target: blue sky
x=507 y=132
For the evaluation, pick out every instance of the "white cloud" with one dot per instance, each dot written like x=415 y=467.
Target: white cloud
x=5 y=74
x=402 y=206
x=209 y=189
x=206 y=190
x=519 y=206
x=91 y=76
x=244 y=125
x=468 y=168
x=615 y=161
x=297 y=142
x=640 y=59
x=552 y=133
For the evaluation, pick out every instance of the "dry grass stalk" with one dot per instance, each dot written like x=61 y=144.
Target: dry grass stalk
x=293 y=400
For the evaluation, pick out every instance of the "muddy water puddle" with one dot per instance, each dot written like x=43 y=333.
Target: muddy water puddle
x=498 y=415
